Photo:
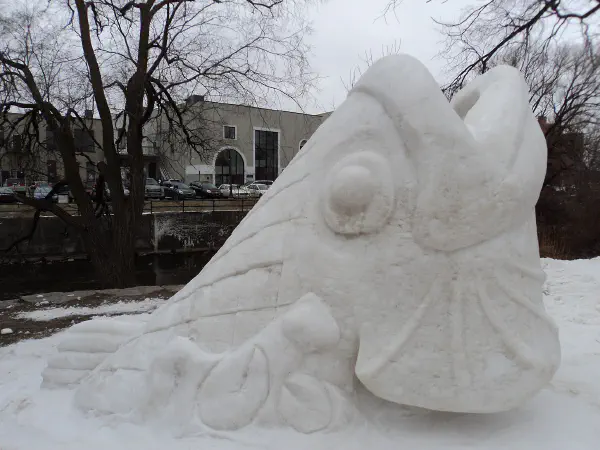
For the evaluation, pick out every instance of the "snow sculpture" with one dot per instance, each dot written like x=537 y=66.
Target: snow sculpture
x=397 y=250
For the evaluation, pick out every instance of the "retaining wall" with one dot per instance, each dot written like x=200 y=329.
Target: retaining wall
x=162 y=232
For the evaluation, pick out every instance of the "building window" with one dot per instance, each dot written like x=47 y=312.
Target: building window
x=266 y=157
x=303 y=143
x=229 y=167
x=84 y=140
x=230 y=132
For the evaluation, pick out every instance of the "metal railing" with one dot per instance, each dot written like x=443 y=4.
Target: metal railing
x=200 y=205
x=153 y=206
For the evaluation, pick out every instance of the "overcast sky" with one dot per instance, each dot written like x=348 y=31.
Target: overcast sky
x=345 y=29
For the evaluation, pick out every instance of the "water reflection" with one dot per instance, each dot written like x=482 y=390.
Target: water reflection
x=164 y=269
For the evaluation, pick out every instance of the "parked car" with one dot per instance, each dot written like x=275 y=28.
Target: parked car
x=205 y=190
x=256 y=189
x=234 y=191
x=41 y=192
x=267 y=182
x=7 y=195
x=171 y=180
x=17 y=185
x=178 y=191
x=36 y=184
x=153 y=189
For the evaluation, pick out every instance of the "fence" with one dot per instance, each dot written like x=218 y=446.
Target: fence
x=226 y=204
x=154 y=206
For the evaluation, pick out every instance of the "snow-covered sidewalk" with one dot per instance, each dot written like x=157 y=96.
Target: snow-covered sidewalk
x=565 y=416
x=37 y=316
x=120 y=307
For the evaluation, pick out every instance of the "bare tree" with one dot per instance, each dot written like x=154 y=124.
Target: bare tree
x=563 y=80
x=368 y=60
x=592 y=149
x=488 y=28
x=564 y=83
x=133 y=64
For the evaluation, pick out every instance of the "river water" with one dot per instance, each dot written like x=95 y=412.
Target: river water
x=151 y=270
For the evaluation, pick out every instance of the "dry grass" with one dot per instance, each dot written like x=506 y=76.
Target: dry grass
x=552 y=243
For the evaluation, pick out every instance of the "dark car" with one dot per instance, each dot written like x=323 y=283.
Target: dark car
x=205 y=190
x=7 y=195
x=178 y=191
x=153 y=189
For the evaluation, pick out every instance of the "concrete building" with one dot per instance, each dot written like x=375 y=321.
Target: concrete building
x=241 y=144
x=32 y=157
x=245 y=143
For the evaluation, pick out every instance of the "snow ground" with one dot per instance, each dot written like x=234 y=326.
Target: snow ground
x=146 y=305
x=564 y=416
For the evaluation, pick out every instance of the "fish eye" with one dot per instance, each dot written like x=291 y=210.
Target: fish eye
x=351 y=190
x=359 y=194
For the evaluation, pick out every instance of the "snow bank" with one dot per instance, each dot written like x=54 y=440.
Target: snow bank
x=564 y=416
x=43 y=315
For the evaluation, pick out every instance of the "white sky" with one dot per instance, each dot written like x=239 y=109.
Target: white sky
x=345 y=29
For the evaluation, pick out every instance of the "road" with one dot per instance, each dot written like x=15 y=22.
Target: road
x=150 y=207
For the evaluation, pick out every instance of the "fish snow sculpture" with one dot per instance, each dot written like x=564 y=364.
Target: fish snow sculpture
x=398 y=250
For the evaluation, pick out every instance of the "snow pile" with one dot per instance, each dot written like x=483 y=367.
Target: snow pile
x=564 y=416
x=121 y=307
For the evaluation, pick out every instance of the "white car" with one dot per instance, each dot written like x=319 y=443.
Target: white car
x=267 y=182
x=41 y=192
x=234 y=191
x=256 y=189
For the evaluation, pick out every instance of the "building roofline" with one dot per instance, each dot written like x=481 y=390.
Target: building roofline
x=266 y=109
x=114 y=116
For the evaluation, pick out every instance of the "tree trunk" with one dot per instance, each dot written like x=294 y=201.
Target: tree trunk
x=112 y=253
x=116 y=270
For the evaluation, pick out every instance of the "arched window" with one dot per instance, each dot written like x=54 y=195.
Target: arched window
x=229 y=167
x=303 y=143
